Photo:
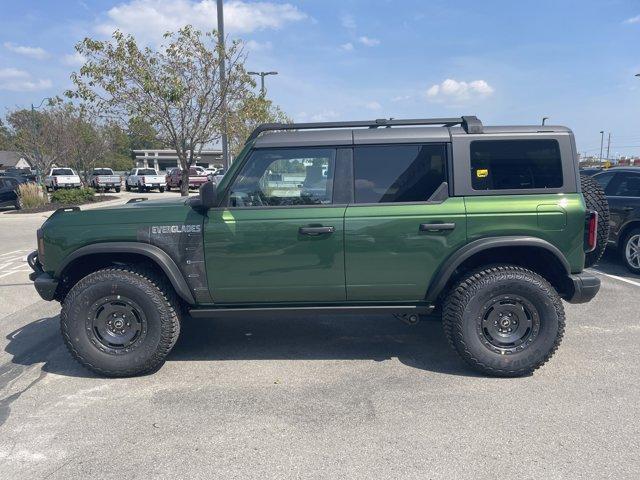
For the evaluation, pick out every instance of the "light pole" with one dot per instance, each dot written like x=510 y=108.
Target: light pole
x=223 y=75
x=544 y=119
x=33 y=133
x=608 y=145
x=262 y=75
x=601 y=143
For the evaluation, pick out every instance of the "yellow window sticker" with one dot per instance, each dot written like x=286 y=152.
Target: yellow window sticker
x=482 y=173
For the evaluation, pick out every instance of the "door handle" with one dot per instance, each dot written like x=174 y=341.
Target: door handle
x=436 y=227
x=313 y=231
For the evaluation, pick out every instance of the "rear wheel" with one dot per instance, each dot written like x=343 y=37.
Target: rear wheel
x=161 y=189
x=18 y=203
x=117 y=189
x=504 y=321
x=631 y=251
x=120 y=322
x=127 y=187
x=595 y=199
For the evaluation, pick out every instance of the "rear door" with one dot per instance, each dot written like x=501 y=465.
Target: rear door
x=280 y=237
x=623 y=195
x=402 y=223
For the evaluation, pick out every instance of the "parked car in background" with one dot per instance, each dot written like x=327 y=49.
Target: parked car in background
x=197 y=176
x=9 y=191
x=25 y=173
x=218 y=176
x=103 y=179
x=144 y=179
x=590 y=171
x=622 y=188
x=62 y=177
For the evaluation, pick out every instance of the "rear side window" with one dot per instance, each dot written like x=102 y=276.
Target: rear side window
x=62 y=171
x=629 y=185
x=398 y=173
x=515 y=164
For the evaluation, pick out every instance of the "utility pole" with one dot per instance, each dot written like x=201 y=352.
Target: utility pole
x=601 y=143
x=262 y=75
x=223 y=83
x=608 y=145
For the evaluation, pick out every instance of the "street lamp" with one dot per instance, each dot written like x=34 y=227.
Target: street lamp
x=33 y=131
x=601 y=143
x=262 y=75
x=223 y=76
x=544 y=119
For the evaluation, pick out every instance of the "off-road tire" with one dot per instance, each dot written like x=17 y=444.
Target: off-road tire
x=595 y=199
x=463 y=317
x=158 y=303
x=633 y=234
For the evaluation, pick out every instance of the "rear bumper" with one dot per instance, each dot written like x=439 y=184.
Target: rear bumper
x=45 y=284
x=585 y=287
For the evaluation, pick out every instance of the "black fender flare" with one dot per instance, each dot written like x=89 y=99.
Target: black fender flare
x=155 y=254
x=450 y=265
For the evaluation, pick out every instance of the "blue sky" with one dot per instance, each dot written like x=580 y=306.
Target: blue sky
x=505 y=61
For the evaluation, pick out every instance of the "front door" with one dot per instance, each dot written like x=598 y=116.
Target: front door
x=402 y=225
x=279 y=237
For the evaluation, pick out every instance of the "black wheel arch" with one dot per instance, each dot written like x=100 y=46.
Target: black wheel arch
x=556 y=266
x=154 y=254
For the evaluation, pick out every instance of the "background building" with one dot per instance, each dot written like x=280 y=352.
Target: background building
x=10 y=159
x=162 y=160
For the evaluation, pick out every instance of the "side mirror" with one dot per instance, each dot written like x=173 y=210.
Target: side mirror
x=209 y=195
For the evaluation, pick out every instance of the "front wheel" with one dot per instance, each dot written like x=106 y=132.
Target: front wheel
x=504 y=321
x=120 y=322
x=631 y=251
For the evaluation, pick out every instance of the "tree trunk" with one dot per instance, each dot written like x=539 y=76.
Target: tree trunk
x=184 y=178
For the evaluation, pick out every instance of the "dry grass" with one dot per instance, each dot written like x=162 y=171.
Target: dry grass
x=32 y=195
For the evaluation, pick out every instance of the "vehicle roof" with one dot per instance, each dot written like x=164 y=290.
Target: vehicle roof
x=355 y=136
x=621 y=169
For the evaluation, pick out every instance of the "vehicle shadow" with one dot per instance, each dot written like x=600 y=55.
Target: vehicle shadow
x=319 y=337
x=611 y=263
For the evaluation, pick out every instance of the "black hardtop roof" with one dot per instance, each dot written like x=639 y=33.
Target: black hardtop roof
x=382 y=130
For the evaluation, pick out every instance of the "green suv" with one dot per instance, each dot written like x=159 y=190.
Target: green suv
x=485 y=226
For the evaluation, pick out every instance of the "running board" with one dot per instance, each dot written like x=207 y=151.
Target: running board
x=270 y=312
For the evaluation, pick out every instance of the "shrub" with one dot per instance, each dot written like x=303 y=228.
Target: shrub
x=31 y=195
x=73 y=196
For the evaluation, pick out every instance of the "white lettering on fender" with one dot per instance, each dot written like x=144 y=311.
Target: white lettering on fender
x=160 y=229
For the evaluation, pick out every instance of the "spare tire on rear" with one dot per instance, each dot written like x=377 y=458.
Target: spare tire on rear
x=595 y=199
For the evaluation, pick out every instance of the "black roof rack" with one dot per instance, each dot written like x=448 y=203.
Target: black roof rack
x=471 y=124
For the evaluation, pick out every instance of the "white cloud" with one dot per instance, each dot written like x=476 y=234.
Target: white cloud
x=369 y=42
x=254 y=46
x=348 y=22
x=321 y=116
x=635 y=19
x=148 y=20
x=20 y=81
x=33 y=52
x=373 y=105
x=453 y=91
x=73 y=59
x=347 y=47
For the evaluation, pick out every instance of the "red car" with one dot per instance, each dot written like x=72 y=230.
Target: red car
x=197 y=176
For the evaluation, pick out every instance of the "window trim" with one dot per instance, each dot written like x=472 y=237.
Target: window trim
x=447 y=166
x=224 y=202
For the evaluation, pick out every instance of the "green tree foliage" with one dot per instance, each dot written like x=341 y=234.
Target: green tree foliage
x=6 y=139
x=176 y=89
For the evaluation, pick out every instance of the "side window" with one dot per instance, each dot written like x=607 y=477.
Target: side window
x=398 y=173
x=603 y=179
x=628 y=186
x=288 y=176
x=515 y=164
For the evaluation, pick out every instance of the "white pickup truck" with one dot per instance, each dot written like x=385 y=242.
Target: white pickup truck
x=62 y=178
x=144 y=179
x=102 y=179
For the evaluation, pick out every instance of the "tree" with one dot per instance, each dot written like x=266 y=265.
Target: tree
x=87 y=142
x=254 y=110
x=176 y=88
x=41 y=136
x=119 y=155
x=142 y=135
x=6 y=139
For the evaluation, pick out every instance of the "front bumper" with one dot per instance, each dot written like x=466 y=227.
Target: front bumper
x=585 y=287
x=45 y=284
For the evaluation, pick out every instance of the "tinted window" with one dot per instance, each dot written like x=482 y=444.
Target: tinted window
x=146 y=171
x=62 y=171
x=397 y=173
x=296 y=176
x=102 y=171
x=515 y=164
x=603 y=179
x=629 y=185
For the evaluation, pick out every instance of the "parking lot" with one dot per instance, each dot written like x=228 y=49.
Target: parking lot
x=322 y=397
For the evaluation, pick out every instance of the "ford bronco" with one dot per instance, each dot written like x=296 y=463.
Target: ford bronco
x=488 y=227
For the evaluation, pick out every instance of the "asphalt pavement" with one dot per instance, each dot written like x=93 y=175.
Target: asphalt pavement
x=322 y=397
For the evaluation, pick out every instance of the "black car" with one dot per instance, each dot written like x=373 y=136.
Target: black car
x=9 y=191
x=622 y=187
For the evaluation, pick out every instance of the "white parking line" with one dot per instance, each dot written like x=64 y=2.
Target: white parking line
x=9 y=253
x=615 y=277
x=6 y=274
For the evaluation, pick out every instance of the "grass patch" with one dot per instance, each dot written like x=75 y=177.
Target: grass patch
x=73 y=196
x=31 y=195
